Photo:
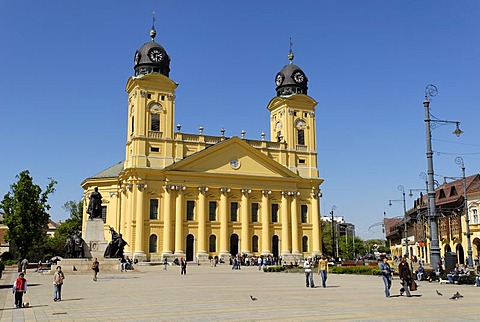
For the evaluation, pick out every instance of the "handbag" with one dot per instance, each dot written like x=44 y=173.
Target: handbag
x=413 y=286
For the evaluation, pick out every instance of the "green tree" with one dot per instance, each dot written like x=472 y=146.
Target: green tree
x=74 y=223
x=26 y=217
x=326 y=238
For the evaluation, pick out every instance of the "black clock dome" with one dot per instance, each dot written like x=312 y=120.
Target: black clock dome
x=291 y=80
x=151 y=58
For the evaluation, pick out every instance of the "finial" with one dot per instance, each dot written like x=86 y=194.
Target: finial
x=290 y=53
x=153 y=33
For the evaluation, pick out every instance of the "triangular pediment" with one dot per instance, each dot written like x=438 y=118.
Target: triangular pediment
x=232 y=157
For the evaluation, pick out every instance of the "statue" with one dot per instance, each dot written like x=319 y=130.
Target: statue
x=69 y=248
x=74 y=246
x=78 y=246
x=116 y=246
x=95 y=206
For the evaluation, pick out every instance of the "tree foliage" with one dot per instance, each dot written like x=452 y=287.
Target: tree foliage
x=26 y=216
x=74 y=223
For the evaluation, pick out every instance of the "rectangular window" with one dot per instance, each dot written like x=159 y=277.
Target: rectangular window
x=155 y=122
x=149 y=96
x=212 y=211
x=274 y=212
x=301 y=137
x=190 y=210
x=254 y=212
x=104 y=214
x=133 y=123
x=152 y=149
x=304 y=213
x=301 y=161
x=153 y=209
x=233 y=211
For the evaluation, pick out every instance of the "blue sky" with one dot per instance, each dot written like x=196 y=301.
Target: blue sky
x=65 y=65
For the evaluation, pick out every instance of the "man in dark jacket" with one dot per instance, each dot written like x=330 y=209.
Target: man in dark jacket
x=405 y=276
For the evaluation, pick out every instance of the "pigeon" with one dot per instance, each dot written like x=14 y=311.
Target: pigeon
x=253 y=298
x=438 y=293
x=458 y=295
x=453 y=297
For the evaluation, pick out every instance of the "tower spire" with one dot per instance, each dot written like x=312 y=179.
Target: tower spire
x=290 y=53
x=153 y=33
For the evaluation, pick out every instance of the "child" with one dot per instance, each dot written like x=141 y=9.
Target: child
x=58 y=278
x=19 y=287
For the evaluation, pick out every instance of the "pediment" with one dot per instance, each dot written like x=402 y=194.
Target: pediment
x=233 y=157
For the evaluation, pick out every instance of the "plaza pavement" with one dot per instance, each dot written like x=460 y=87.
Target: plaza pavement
x=220 y=294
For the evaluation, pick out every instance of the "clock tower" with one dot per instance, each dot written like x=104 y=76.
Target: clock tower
x=292 y=120
x=151 y=107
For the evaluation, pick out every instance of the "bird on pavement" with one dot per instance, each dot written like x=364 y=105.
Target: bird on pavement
x=438 y=293
x=458 y=295
x=253 y=298
x=453 y=297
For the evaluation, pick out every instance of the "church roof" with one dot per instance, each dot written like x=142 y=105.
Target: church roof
x=111 y=172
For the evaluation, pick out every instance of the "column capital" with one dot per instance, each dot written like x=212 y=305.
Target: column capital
x=179 y=188
x=246 y=191
x=141 y=186
x=291 y=193
x=225 y=190
x=316 y=193
x=168 y=187
x=203 y=189
x=266 y=192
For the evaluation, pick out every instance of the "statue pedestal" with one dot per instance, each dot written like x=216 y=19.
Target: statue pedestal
x=94 y=237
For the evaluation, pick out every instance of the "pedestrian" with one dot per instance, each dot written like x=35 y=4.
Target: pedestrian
x=308 y=265
x=183 y=266
x=386 y=275
x=405 y=276
x=323 y=270
x=165 y=263
x=19 y=288
x=2 y=267
x=58 y=278
x=24 y=265
x=123 y=264
x=95 y=268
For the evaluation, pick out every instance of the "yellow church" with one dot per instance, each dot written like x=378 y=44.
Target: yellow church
x=198 y=196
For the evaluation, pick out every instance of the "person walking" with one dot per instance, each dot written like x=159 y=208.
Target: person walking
x=323 y=270
x=19 y=288
x=405 y=276
x=58 y=278
x=386 y=275
x=95 y=268
x=308 y=265
x=165 y=263
x=183 y=266
x=24 y=265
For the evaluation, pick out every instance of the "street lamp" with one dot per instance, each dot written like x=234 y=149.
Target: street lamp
x=405 y=233
x=459 y=161
x=333 y=232
x=431 y=91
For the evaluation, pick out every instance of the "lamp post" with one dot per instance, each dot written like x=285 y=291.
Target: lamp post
x=431 y=91
x=405 y=227
x=333 y=232
x=459 y=161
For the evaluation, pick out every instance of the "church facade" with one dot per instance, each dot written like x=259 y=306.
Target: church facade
x=198 y=196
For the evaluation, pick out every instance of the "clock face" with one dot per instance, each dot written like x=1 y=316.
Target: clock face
x=155 y=55
x=298 y=77
x=278 y=126
x=137 y=58
x=234 y=163
x=279 y=79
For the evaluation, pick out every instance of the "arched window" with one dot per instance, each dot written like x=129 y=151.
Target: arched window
x=152 y=245
x=255 y=243
x=304 y=244
x=212 y=244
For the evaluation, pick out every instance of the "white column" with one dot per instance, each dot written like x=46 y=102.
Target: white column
x=139 y=228
x=245 y=242
x=295 y=237
x=224 y=222
x=179 y=237
x=266 y=249
x=202 y=223
x=167 y=221
x=285 y=243
x=315 y=215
